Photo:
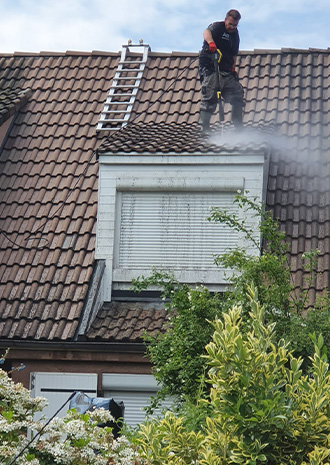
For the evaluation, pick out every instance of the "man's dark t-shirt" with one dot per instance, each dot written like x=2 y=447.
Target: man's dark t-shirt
x=227 y=43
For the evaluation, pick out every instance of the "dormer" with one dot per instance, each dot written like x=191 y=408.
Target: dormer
x=157 y=183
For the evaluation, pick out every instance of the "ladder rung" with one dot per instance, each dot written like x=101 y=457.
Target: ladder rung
x=131 y=62
x=120 y=95
x=113 y=102
x=113 y=120
x=107 y=112
x=130 y=70
x=131 y=78
x=128 y=86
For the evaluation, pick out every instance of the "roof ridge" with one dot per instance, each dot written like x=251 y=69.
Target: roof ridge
x=274 y=51
x=175 y=53
x=56 y=54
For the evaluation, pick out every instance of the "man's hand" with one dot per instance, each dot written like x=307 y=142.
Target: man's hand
x=212 y=47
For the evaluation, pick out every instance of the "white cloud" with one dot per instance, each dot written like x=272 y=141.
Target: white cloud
x=166 y=25
x=74 y=24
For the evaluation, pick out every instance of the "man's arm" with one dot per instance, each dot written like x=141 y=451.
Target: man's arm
x=207 y=35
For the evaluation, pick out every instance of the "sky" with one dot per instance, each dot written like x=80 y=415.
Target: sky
x=165 y=25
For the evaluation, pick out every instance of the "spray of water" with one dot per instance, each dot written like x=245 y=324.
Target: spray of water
x=252 y=137
x=304 y=148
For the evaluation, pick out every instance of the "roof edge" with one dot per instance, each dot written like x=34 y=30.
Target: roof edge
x=15 y=104
x=75 y=346
x=265 y=51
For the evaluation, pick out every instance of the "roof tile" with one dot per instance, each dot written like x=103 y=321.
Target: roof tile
x=124 y=321
x=48 y=177
x=48 y=150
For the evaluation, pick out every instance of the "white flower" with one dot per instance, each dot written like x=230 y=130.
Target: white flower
x=64 y=441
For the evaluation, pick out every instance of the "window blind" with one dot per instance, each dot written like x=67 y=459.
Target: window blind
x=171 y=230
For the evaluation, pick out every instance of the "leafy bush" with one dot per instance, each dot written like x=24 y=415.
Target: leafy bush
x=269 y=271
x=264 y=410
x=168 y=442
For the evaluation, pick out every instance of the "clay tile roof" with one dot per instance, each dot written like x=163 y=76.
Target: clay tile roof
x=126 y=322
x=48 y=166
x=48 y=190
x=183 y=137
x=11 y=101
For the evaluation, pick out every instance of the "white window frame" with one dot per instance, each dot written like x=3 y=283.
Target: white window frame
x=170 y=229
x=210 y=277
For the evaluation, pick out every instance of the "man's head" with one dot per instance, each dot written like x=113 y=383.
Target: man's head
x=231 y=20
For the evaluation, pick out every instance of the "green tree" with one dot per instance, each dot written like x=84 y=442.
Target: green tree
x=175 y=354
x=268 y=270
x=265 y=409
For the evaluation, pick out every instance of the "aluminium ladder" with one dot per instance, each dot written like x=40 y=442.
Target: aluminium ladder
x=122 y=93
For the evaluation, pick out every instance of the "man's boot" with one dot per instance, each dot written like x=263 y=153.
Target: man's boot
x=205 y=117
x=237 y=115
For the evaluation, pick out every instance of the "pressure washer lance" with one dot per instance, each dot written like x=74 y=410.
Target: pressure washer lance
x=217 y=59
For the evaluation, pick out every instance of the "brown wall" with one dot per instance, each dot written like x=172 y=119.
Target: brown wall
x=75 y=362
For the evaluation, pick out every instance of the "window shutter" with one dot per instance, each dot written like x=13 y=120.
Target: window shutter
x=135 y=390
x=57 y=387
x=170 y=229
x=135 y=404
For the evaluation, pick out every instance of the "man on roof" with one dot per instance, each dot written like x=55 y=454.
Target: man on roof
x=223 y=36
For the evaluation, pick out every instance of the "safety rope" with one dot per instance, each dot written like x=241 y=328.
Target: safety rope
x=41 y=430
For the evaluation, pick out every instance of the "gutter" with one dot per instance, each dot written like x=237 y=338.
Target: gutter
x=105 y=347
